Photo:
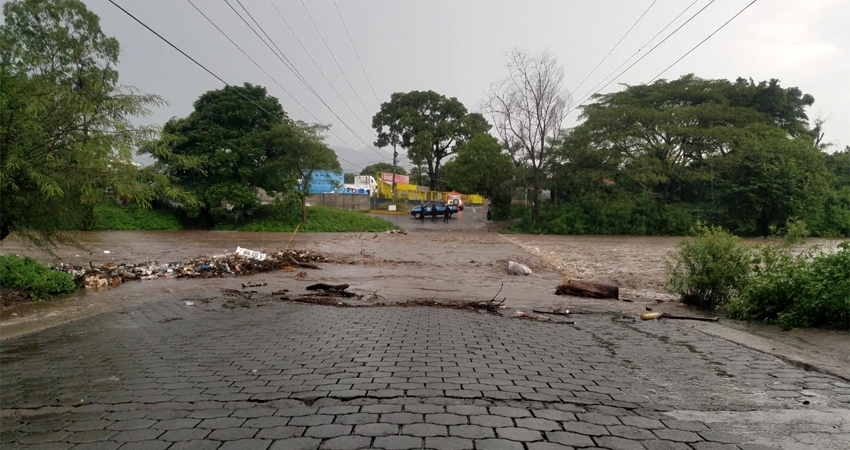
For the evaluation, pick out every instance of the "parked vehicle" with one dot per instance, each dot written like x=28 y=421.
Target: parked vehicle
x=454 y=198
x=432 y=209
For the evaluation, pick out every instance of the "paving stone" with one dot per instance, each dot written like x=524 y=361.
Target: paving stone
x=376 y=429
x=280 y=432
x=126 y=415
x=232 y=434
x=567 y=438
x=756 y=447
x=82 y=437
x=677 y=435
x=397 y=442
x=598 y=419
x=44 y=438
x=641 y=422
x=380 y=409
x=195 y=445
x=356 y=418
x=212 y=413
x=100 y=445
x=271 y=421
x=424 y=408
x=302 y=443
x=137 y=435
x=519 y=434
x=132 y=424
x=617 y=443
x=448 y=443
x=685 y=425
x=328 y=431
x=497 y=444
x=509 y=411
x=221 y=423
x=491 y=421
x=86 y=425
x=424 y=430
x=246 y=444
x=49 y=446
x=145 y=445
x=547 y=446
x=466 y=410
x=176 y=424
x=346 y=443
x=402 y=418
x=297 y=411
x=722 y=437
x=471 y=431
x=588 y=429
x=713 y=446
x=655 y=444
x=251 y=413
x=446 y=419
x=309 y=421
x=339 y=409
x=186 y=434
x=628 y=432
x=554 y=414
x=538 y=424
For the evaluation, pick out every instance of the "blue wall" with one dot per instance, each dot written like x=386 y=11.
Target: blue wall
x=325 y=181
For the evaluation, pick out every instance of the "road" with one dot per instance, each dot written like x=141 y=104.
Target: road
x=471 y=219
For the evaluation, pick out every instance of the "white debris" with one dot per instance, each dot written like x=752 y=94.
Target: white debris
x=107 y=251
x=253 y=254
x=518 y=269
x=190 y=303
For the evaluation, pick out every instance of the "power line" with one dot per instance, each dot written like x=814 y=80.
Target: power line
x=703 y=41
x=268 y=75
x=175 y=47
x=317 y=66
x=644 y=55
x=642 y=47
x=282 y=57
x=617 y=44
x=356 y=52
x=333 y=56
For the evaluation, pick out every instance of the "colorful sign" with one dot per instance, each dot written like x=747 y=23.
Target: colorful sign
x=399 y=179
x=326 y=181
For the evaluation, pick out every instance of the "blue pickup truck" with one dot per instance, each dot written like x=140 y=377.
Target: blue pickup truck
x=433 y=209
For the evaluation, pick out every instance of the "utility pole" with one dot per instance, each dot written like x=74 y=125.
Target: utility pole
x=395 y=162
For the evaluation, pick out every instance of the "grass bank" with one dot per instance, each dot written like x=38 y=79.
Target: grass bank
x=23 y=279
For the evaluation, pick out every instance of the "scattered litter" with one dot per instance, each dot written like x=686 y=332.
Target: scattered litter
x=331 y=289
x=252 y=284
x=396 y=232
x=651 y=315
x=520 y=314
x=107 y=252
x=190 y=303
x=582 y=288
x=518 y=269
x=565 y=312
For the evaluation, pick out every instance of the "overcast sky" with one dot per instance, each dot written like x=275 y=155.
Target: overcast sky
x=458 y=48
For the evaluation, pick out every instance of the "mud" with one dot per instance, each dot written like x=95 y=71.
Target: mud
x=445 y=265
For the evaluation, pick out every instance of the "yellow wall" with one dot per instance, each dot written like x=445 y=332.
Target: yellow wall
x=411 y=192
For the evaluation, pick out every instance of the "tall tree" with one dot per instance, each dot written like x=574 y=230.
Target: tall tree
x=306 y=152
x=67 y=136
x=528 y=108
x=429 y=125
x=222 y=152
x=480 y=167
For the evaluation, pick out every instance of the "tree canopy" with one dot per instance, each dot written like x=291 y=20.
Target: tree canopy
x=380 y=167
x=67 y=136
x=429 y=125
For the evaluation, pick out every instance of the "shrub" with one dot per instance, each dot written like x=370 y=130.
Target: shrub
x=319 y=219
x=811 y=289
x=133 y=217
x=27 y=274
x=708 y=269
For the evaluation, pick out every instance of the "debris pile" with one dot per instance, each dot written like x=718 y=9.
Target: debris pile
x=246 y=262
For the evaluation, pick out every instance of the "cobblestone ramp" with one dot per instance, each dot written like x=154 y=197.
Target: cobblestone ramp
x=203 y=377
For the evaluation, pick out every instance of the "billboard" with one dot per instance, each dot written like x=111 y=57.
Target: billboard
x=399 y=179
x=326 y=181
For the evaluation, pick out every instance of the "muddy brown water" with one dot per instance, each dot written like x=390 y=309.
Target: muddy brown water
x=440 y=263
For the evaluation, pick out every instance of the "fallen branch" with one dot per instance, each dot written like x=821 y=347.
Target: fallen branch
x=294 y=262
x=554 y=313
x=701 y=319
x=581 y=288
x=327 y=287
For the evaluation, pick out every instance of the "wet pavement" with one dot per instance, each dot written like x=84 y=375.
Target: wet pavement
x=168 y=375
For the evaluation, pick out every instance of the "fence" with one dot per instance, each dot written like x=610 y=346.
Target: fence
x=352 y=202
x=414 y=193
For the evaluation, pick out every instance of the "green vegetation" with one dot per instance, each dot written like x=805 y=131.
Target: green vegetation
x=68 y=128
x=319 y=219
x=770 y=282
x=40 y=281
x=707 y=270
x=377 y=168
x=132 y=217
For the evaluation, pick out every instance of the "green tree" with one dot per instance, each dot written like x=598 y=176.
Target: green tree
x=479 y=167
x=375 y=170
x=306 y=152
x=67 y=136
x=768 y=179
x=222 y=151
x=429 y=125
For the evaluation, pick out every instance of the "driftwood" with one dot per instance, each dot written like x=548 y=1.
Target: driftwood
x=327 y=287
x=294 y=262
x=582 y=288
x=554 y=313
